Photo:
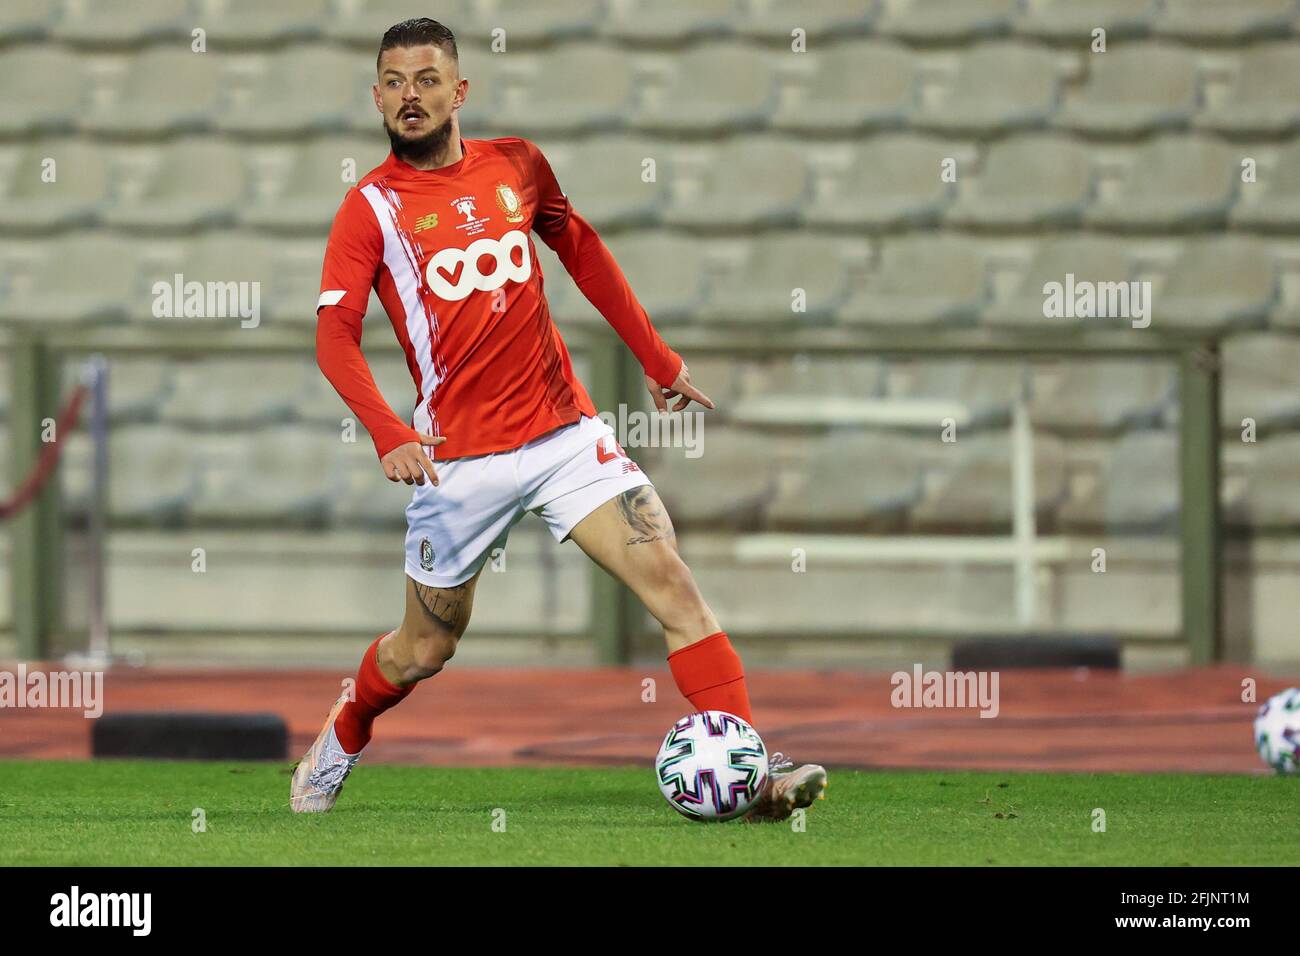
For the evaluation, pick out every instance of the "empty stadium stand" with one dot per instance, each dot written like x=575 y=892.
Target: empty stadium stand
x=916 y=165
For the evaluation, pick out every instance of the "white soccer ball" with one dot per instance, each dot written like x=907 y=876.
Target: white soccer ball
x=711 y=766
x=1277 y=731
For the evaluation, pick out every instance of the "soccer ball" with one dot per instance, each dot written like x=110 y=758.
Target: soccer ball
x=711 y=766
x=1277 y=731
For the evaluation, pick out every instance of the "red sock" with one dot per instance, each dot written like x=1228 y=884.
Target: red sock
x=709 y=674
x=374 y=695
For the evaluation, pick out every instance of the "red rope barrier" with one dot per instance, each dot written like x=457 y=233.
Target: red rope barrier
x=31 y=486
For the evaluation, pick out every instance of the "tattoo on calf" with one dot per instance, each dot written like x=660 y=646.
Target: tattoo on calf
x=445 y=604
x=644 y=513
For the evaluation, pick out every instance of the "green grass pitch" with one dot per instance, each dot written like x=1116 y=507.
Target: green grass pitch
x=118 y=813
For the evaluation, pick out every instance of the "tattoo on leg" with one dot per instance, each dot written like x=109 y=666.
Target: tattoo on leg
x=445 y=604
x=644 y=513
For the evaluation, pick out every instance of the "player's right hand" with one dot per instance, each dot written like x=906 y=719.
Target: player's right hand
x=409 y=463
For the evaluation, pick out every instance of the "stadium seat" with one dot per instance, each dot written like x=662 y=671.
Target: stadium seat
x=1259 y=382
x=1088 y=258
x=282 y=473
x=294 y=289
x=849 y=86
x=108 y=288
x=316 y=403
x=935 y=21
x=28 y=21
x=1086 y=396
x=1218 y=284
x=968 y=483
x=163 y=90
x=44 y=89
x=671 y=21
x=921 y=280
x=810 y=376
x=151 y=479
x=80 y=184
x=363 y=22
x=91 y=23
x=1133 y=90
x=1135 y=490
x=998 y=87
x=303 y=188
x=750 y=182
x=493 y=80
x=665 y=270
x=775 y=19
x=1269 y=500
x=166 y=200
x=1272 y=203
x=575 y=88
x=137 y=387
x=850 y=480
x=602 y=176
x=529 y=22
x=978 y=393
x=304 y=89
x=1070 y=21
x=1027 y=182
x=567 y=304
x=247 y=22
x=366 y=499
x=729 y=483
x=1216 y=22
x=236 y=392
x=713 y=88
x=226 y=256
x=761 y=289
x=1264 y=96
x=1174 y=183
x=889 y=182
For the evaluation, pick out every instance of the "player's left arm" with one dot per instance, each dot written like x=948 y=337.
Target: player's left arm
x=594 y=270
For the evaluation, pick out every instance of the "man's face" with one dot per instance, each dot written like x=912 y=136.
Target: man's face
x=418 y=90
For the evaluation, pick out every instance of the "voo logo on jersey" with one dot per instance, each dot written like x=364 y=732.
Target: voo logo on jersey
x=453 y=274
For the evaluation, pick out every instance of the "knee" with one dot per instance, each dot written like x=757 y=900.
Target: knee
x=421 y=656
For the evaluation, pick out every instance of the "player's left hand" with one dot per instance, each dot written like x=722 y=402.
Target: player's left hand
x=681 y=387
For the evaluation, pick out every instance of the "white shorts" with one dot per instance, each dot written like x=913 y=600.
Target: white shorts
x=453 y=528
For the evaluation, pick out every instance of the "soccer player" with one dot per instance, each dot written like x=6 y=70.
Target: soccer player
x=440 y=231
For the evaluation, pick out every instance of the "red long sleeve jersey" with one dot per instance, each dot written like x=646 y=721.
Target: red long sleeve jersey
x=449 y=254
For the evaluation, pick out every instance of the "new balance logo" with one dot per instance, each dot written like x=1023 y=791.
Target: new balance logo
x=607 y=450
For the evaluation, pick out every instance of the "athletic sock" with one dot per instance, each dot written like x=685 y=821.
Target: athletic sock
x=710 y=675
x=374 y=694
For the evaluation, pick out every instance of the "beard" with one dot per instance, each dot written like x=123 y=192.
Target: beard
x=423 y=149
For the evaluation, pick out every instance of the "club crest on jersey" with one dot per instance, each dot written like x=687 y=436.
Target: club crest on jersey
x=509 y=203
x=426 y=554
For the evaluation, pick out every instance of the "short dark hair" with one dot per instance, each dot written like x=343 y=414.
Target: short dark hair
x=420 y=31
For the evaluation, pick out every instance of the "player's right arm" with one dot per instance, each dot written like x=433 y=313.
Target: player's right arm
x=352 y=259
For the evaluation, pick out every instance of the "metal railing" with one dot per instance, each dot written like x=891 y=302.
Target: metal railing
x=614 y=378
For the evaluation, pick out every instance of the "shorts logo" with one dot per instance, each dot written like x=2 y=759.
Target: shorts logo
x=454 y=273
x=606 y=454
x=426 y=554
